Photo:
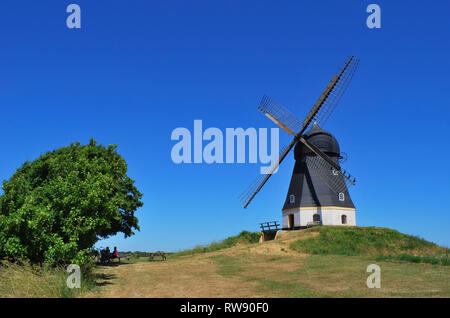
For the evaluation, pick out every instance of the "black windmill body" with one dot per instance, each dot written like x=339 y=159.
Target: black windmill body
x=307 y=187
x=309 y=191
x=318 y=192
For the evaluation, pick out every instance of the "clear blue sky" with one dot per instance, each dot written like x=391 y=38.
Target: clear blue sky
x=136 y=70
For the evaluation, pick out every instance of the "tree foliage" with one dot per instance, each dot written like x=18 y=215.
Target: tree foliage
x=55 y=208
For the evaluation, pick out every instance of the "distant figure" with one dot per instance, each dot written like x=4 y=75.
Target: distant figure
x=115 y=253
x=105 y=255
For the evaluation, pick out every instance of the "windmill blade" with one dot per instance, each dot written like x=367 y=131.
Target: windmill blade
x=247 y=196
x=321 y=110
x=336 y=93
x=329 y=171
x=279 y=115
x=331 y=94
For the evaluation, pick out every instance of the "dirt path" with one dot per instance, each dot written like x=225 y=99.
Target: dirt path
x=196 y=277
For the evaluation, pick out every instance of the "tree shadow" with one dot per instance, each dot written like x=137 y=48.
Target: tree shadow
x=112 y=264
x=103 y=279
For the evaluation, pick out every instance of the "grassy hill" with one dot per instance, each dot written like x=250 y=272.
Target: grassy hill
x=245 y=237
x=383 y=243
x=317 y=262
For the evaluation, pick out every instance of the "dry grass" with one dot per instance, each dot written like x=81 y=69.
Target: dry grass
x=196 y=277
x=28 y=281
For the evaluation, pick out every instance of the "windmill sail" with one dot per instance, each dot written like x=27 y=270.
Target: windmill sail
x=338 y=90
x=320 y=112
x=330 y=94
x=280 y=115
x=247 y=196
x=333 y=178
x=322 y=162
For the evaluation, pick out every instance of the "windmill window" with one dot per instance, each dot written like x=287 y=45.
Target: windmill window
x=341 y=196
x=316 y=217
x=334 y=172
x=344 y=219
x=292 y=198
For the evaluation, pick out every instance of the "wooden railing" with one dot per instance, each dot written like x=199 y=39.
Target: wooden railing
x=269 y=226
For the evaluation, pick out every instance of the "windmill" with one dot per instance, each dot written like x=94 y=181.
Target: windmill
x=318 y=192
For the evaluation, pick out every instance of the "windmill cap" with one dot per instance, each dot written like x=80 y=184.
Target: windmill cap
x=322 y=139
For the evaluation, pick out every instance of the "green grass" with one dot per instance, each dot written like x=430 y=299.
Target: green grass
x=383 y=243
x=235 y=266
x=435 y=260
x=243 y=237
x=345 y=276
x=286 y=289
x=229 y=266
x=354 y=241
x=332 y=276
x=26 y=280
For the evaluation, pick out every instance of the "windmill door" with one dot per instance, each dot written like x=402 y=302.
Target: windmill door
x=291 y=221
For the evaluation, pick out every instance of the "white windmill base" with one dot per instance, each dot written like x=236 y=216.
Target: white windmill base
x=326 y=215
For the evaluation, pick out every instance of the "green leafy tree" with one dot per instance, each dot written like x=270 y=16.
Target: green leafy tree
x=55 y=208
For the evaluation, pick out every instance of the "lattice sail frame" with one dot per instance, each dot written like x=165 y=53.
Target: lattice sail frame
x=246 y=195
x=280 y=115
x=332 y=178
x=336 y=93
